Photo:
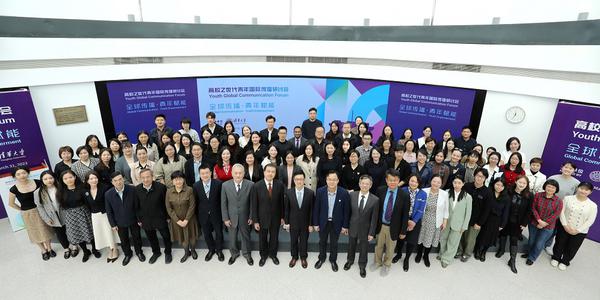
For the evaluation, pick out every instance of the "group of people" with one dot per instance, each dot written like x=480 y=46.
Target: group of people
x=404 y=195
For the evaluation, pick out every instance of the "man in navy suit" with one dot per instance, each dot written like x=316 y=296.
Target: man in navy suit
x=331 y=215
x=121 y=213
x=207 y=193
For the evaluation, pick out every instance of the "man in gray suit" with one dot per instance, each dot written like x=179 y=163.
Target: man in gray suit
x=235 y=208
x=298 y=142
x=364 y=210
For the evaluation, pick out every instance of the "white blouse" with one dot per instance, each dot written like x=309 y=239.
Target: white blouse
x=578 y=214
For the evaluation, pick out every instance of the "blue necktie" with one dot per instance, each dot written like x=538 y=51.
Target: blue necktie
x=389 y=207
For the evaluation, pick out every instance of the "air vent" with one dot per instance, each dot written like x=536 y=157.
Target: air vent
x=456 y=67
x=328 y=60
x=137 y=60
x=296 y=59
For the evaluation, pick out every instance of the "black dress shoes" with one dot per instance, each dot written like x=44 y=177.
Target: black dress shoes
x=96 y=253
x=46 y=256
x=262 y=261
x=348 y=265
x=86 y=256
x=232 y=260
x=209 y=255
x=318 y=264
x=363 y=272
x=275 y=260
x=153 y=258
x=141 y=257
x=334 y=266
x=185 y=256
x=292 y=263
x=168 y=258
x=405 y=265
x=194 y=254
x=250 y=261
x=220 y=256
x=52 y=253
x=126 y=260
x=396 y=258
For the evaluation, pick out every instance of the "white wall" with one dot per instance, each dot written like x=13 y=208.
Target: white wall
x=494 y=129
x=45 y=98
x=329 y=12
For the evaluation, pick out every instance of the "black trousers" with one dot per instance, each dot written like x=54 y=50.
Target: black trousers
x=269 y=241
x=325 y=233
x=125 y=242
x=61 y=235
x=299 y=243
x=208 y=228
x=363 y=250
x=153 y=239
x=566 y=245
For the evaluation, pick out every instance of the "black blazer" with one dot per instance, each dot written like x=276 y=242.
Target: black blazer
x=188 y=170
x=264 y=136
x=300 y=150
x=150 y=205
x=282 y=174
x=121 y=213
x=208 y=209
x=400 y=218
x=264 y=210
x=257 y=173
x=298 y=217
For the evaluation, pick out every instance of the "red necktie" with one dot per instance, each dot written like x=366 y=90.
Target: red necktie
x=270 y=190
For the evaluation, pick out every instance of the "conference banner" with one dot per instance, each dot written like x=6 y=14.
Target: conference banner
x=575 y=136
x=21 y=144
x=135 y=103
x=248 y=100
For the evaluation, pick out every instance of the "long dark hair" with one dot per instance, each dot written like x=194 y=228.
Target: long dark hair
x=89 y=138
x=526 y=193
x=111 y=162
x=165 y=158
x=147 y=134
x=462 y=193
x=519 y=167
x=220 y=156
x=44 y=189
x=61 y=192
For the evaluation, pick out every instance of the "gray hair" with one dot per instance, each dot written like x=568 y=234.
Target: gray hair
x=238 y=166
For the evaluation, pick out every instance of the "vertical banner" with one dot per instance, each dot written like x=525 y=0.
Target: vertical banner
x=135 y=103
x=21 y=144
x=575 y=136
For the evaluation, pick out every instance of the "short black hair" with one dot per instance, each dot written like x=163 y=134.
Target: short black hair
x=204 y=166
x=160 y=116
x=186 y=120
x=482 y=171
x=393 y=173
x=177 y=174
x=298 y=173
x=282 y=128
x=553 y=183
x=297 y=127
x=270 y=117
x=466 y=127
x=211 y=115
x=536 y=160
x=312 y=109
x=568 y=162
x=586 y=185
x=368 y=133
x=13 y=172
x=400 y=147
x=115 y=174
x=333 y=172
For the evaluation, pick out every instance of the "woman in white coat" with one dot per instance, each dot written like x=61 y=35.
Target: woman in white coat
x=434 y=219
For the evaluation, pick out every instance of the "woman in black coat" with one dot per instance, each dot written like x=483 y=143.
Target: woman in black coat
x=520 y=199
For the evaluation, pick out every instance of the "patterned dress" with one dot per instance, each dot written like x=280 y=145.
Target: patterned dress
x=430 y=234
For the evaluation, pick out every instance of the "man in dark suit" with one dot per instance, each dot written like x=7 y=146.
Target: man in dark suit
x=191 y=166
x=266 y=203
x=331 y=215
x=160 y=121
x=120 y=210
x=152 y=214
x=235 y=211
x=269 y=134
x=298 y=141
x=282 y=143
x=298 y=206
x=212 y=126
x=207 y=192
x=394 y=205
x=363 y=223
x=346 y=134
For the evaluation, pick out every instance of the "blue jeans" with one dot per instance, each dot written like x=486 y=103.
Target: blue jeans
x=537 y=240
x=551 y=238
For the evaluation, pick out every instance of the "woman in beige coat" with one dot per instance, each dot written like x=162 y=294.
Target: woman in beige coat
x=168 y=164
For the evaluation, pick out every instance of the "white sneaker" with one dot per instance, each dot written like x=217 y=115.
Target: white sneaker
x=554 y=263
x=562 y=267
x=548 y=250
